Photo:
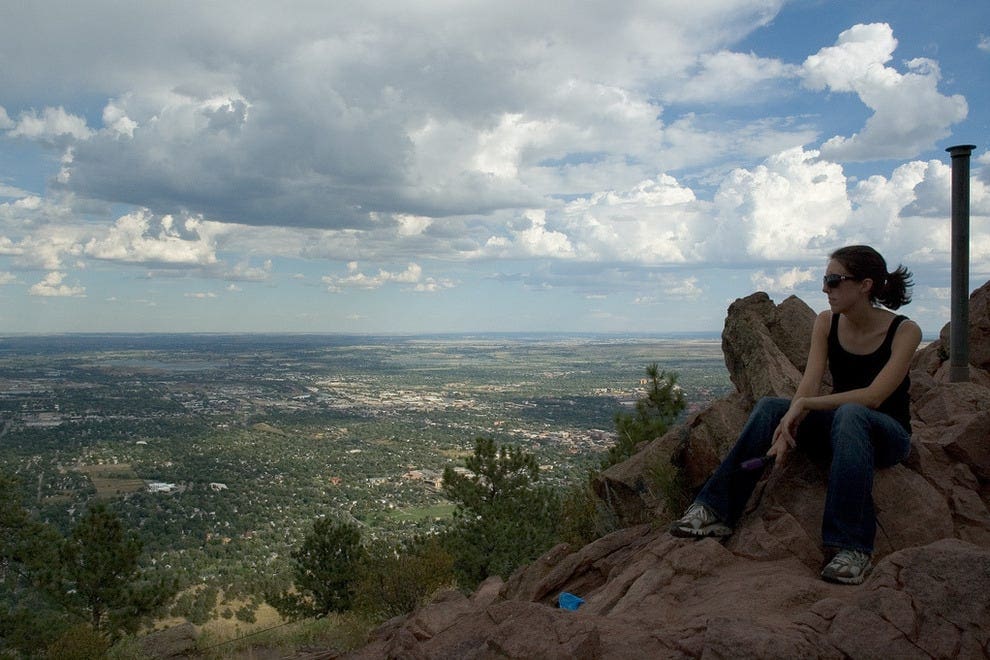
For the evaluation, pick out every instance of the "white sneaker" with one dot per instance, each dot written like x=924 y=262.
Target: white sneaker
x=699 y=521
x=847 y=567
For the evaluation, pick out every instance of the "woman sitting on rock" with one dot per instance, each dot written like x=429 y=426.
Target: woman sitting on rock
x=865 y=421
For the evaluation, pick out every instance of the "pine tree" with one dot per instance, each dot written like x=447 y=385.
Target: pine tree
x=99 y=575
x=28 y=553
x=26 y=546
x=655 y=413
x=503 y=518
x=52 y=584
x=325 y=569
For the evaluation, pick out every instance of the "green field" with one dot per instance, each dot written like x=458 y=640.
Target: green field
x=111 y=481
x=417 y=514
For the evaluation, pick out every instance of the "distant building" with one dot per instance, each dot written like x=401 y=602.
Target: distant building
x=431 y=477
x=43 y=420
x=217 y=486
x=160 y=487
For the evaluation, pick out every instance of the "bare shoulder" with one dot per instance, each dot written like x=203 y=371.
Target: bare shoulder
x=909 y=326
x=823 y=324
x=819 y=333
x=908 y=332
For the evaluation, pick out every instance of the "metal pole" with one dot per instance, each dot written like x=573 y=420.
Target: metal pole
x=959 y=327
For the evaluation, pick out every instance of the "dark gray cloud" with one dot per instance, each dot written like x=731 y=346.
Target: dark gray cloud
x=316 y=115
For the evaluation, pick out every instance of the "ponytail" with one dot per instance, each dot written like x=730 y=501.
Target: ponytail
x=895 y=290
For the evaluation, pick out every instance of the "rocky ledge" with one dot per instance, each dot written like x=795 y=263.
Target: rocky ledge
x=758 y=594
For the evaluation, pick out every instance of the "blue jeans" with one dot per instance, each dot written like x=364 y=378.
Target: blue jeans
x=860 y=440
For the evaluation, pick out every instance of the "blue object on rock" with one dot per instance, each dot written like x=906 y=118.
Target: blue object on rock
x=566 y=601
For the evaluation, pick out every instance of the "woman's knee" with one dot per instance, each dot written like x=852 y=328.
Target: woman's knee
x=851 y=428
x=768 y=411
x=851 y=413
x=771 y=405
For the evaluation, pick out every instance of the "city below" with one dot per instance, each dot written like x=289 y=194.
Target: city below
x=221 y=450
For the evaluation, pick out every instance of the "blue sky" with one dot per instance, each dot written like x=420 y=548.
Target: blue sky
x=476 y=166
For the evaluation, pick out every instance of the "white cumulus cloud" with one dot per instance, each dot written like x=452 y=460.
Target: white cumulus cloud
x=909 y=113
x=644 y=151
x=784 y=209
x=730 y=77
x=52 y=286
x=141 y=237
x=783 y=280
x=355 y=279
x=50 y=124
x=245 y=272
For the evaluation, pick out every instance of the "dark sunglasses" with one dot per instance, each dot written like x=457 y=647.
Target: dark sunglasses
x=833 y=280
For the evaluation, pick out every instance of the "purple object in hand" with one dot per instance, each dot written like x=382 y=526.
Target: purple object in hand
x=756 y=463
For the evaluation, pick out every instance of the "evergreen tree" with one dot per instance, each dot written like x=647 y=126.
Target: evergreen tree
x=51 y=583
x=28 y=552
x=503 y=518
x=99 y=575
x=585 y=516
x=654 y=414
x=325 y=567
x=26 y=546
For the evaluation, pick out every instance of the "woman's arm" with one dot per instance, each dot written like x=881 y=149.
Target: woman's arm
x=809 y=387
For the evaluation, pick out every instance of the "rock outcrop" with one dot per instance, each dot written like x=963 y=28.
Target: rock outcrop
x=758 y=594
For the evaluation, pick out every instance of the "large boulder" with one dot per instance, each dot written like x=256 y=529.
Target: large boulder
x=676 y=599
x=766 y=346
x=931 y=364
x=757 y=594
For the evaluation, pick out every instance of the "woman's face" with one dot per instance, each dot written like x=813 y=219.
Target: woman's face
x=842 y=290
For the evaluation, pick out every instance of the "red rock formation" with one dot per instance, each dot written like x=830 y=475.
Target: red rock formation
x=758 y=595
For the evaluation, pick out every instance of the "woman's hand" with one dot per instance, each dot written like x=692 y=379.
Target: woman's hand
x=783 y=442
x=784 y=437
x=793 y=418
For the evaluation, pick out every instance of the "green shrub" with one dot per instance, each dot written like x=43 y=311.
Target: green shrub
x=246 y=614
x=503 y=518
x=585 y=516
x=666 y=483
x=79 y=643
x=325 y=567
x=395 y=580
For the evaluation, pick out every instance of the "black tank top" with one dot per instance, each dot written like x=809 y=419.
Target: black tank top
x=851 y=371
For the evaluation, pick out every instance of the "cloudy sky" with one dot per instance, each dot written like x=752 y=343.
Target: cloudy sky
x=442 y=166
